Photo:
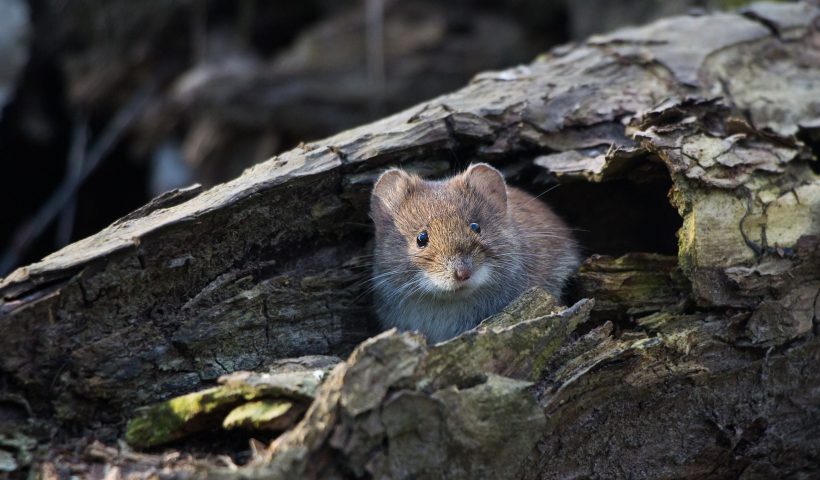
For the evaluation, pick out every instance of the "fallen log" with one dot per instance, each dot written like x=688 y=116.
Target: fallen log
x=720 y=380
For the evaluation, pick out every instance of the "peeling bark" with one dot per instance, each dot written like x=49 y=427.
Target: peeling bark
x=700 y=367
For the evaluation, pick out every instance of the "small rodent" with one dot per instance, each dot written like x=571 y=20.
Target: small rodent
x=449 y=253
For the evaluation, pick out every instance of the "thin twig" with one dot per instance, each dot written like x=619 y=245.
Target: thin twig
x=374 y=31
x=25 y=235
x=74 y=167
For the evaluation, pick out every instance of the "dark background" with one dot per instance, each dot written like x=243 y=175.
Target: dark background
x=155 y=94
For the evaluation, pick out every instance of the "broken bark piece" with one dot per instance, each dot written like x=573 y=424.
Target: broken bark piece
x=295 y=384
x=301 y=364
x=245 y=399
x=182 y=416
x=519 y=349
x=454 y=409
x=535 y=302
x=584 y=165
x=266 y=414
x=633 y=284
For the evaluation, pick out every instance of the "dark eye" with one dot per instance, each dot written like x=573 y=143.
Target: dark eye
x=474 y=227
x=422 y=239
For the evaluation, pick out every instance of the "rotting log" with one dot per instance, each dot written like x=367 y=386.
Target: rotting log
x=720 y=382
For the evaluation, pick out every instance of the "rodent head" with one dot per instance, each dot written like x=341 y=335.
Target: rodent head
x=444 y=238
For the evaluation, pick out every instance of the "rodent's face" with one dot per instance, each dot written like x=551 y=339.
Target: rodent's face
x=450 y=248
x=447 y=237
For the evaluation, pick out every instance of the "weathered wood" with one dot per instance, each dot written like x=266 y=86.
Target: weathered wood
x=633 y=285
x=244 y=399
x=270 y=265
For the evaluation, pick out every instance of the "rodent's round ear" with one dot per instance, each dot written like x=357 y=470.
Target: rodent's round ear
x=392 y=185
x=390 y=190
x=488 y=181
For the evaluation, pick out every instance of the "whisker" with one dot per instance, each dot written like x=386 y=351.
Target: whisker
x=548 y=190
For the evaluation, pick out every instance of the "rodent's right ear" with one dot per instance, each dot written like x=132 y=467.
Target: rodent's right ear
x=390 y=190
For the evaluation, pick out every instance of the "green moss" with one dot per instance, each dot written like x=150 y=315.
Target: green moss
x=257 y=415
x=681 y=198
x=206 y=410
x=180 y=416
x=519 y=348
x=562 y=329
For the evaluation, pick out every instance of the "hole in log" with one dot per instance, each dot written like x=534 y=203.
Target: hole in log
x=811 y=137
x=627 y=229
x=617 y=216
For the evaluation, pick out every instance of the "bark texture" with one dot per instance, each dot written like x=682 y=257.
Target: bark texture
x=694 y=365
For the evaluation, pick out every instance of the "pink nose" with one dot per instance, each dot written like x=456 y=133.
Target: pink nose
x=462 y=274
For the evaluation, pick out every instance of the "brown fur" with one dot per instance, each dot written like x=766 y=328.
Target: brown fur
x=522 y=243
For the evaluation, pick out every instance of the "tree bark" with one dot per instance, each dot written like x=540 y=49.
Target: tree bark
x=702 y=364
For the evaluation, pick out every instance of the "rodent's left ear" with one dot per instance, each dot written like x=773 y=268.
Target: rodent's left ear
x=488 y=182
x=392 y=186
x=390 y=190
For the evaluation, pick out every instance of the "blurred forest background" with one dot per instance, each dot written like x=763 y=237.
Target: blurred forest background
x=107 y=103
